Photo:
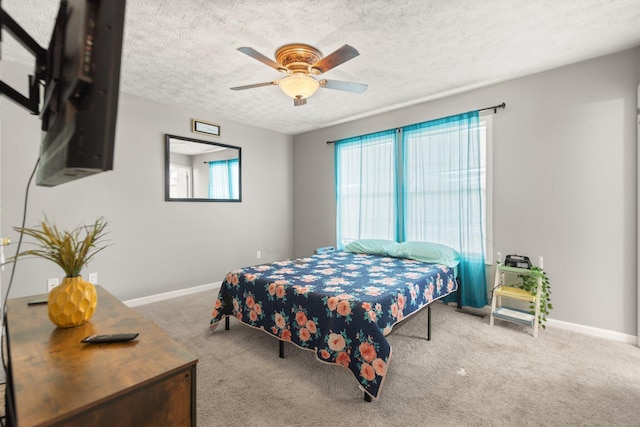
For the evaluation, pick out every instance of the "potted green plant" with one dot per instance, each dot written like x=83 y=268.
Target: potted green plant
x=74 y=301
x=530 y=283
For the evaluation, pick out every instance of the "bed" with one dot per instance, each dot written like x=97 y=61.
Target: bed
x=338 y=304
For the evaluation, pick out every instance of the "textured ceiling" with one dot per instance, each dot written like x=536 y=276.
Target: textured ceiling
x=184 y=51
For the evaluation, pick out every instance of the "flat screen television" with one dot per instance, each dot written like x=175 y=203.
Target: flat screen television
x=81 y=91
x=80 y=73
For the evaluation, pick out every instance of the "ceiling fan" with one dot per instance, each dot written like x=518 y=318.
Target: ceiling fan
x=301 y=62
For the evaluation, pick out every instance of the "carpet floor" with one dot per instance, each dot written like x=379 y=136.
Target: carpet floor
x=469 y=374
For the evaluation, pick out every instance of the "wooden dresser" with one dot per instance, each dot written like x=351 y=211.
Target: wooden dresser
x=55 y=380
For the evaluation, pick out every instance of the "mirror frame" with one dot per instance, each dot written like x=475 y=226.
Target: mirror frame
x=167 y=198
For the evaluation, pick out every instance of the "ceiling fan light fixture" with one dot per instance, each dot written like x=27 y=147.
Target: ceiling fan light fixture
x=299 y=85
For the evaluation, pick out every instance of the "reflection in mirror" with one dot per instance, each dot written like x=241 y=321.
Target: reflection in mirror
x=197 y=170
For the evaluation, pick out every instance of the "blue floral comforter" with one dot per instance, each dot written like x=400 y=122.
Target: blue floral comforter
x=340 y=305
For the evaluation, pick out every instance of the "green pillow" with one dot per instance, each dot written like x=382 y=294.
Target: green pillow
x=430 y=252
x=371 y=246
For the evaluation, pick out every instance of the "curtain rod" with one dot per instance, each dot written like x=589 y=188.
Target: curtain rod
x=494 y=108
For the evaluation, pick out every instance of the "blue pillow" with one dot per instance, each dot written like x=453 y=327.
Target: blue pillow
x=433 y=253
x=371 y=246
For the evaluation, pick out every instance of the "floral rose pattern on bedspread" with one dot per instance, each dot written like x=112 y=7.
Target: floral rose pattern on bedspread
x=339 y=304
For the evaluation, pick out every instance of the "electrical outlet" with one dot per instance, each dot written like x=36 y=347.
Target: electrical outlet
x=52 y=283
x=258 y=254
x=93 y=278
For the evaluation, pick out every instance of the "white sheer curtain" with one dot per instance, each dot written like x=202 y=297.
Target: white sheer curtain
x=366 y=187
x=443 y=187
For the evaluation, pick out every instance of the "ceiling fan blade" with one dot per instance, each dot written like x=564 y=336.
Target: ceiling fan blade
x=345 y=86
x=254 y=85
x=338 y=57
x=299 y=101
x=260 y=57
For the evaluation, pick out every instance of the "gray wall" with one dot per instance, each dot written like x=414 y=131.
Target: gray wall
x=564 y=181
x=156 y=246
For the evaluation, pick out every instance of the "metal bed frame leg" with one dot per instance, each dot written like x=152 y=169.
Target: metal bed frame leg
x=226 y=323
x=281 y=349
x=429 y=322
x=367 y=398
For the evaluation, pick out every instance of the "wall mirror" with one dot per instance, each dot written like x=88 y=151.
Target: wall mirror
x=201 y=171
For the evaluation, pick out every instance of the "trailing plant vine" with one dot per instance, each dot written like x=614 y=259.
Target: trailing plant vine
x=530 y=284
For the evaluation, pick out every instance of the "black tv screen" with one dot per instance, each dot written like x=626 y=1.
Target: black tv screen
x=82 y=80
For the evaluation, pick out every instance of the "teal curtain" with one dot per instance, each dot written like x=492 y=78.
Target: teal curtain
x=365 y=170
x=223 y=183
x=442 y=194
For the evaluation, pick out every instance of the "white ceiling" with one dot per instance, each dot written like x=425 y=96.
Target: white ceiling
x=184 y=51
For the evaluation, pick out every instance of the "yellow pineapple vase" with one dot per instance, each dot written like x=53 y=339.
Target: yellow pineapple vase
x=72 y=302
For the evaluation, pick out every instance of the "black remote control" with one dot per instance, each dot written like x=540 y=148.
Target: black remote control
x=96 y=339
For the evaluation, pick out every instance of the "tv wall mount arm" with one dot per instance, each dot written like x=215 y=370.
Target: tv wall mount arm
x=32 y=102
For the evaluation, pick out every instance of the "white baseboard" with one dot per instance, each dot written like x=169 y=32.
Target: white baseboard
x=596 y=332
x=173 y=294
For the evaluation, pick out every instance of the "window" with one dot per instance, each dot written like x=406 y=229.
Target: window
x=427 y=182
x=366 y=188
x=436 y=170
